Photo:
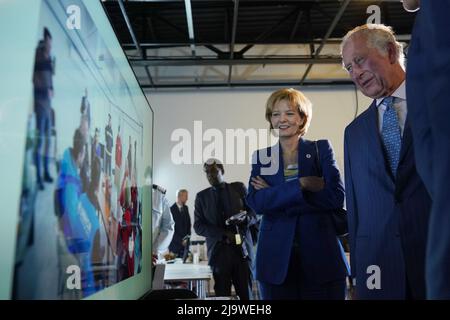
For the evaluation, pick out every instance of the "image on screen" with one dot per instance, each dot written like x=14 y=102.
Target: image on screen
x=80 y=212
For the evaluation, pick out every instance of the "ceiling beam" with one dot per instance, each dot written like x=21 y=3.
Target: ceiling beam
x=310 y=33
x=152 y=28
x=226 y=25
x=149 y=76
x=343 y=25
x=331 y=82
x=170 y=24
x=297 y=23
x=147 y=45
x=130 y=28
x=174 y=62
x=268 y=31
x=233 y=38
x=190 y=25
x=325 y=38
x=215 y=50
x=205 y=4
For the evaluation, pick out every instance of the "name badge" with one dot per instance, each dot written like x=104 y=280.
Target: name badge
x=238 y=239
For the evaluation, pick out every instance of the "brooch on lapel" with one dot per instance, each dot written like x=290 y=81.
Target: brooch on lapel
x=308 y=156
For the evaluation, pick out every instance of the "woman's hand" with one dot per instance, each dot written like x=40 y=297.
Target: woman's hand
x=312 y=184
x=258 y=183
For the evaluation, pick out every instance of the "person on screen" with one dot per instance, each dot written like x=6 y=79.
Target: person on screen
x=79 y=228
x=43 y=93
x=230 y=253
x=129 y=161
x=85 y=110
x=129 y=230
x=69 y=186
x=134 y=191
x=137 y=225
x=85 y=107
x=95 y=146
x=135 y=159
x=118 y=160
x=126 y=229
x=137 y=215
x=90 y=214
x=85 y=171
x=109 y=145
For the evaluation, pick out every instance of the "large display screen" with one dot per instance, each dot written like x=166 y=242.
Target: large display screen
x=76 y=147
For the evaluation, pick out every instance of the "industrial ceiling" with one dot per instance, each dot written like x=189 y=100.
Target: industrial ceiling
x=244 y=43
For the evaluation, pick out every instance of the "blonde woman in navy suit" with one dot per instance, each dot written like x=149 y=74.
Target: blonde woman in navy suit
x=298 y=254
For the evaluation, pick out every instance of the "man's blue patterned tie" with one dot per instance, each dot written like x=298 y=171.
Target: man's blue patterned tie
x=391 y=135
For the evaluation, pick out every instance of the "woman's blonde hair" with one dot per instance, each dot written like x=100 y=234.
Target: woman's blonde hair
x=296 y=99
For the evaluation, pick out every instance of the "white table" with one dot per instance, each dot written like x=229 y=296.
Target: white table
x=197 y=274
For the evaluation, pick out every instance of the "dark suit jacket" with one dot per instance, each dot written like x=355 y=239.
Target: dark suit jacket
x=388 y=217
x=284 y=205
x=182 y=227
x=210 y=223
x=427 y=89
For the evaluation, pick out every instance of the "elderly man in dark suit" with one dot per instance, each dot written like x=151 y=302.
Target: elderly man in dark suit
x=180 y=214
x=230 y=254
x=387 y=202
x=427 y=86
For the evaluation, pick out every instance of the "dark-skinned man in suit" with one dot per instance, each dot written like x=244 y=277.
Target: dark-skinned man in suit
x=230 y=254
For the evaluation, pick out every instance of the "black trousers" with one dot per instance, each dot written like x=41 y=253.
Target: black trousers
x=231 y=268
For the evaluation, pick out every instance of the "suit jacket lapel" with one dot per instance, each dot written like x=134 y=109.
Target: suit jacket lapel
x=406 y=141
x=183 y=216
x=214 y=203
x=306 y=157
x=279 y=176
x=228 y=193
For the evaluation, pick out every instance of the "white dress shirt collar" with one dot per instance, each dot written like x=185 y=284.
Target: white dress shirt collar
x=400 y=106
x=400 y=92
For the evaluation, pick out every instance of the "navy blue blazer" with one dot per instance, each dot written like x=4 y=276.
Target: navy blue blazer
x=427 y=89
x=284 y=205
x=388 y=218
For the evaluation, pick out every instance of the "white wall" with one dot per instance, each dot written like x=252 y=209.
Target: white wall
x=333 y=109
